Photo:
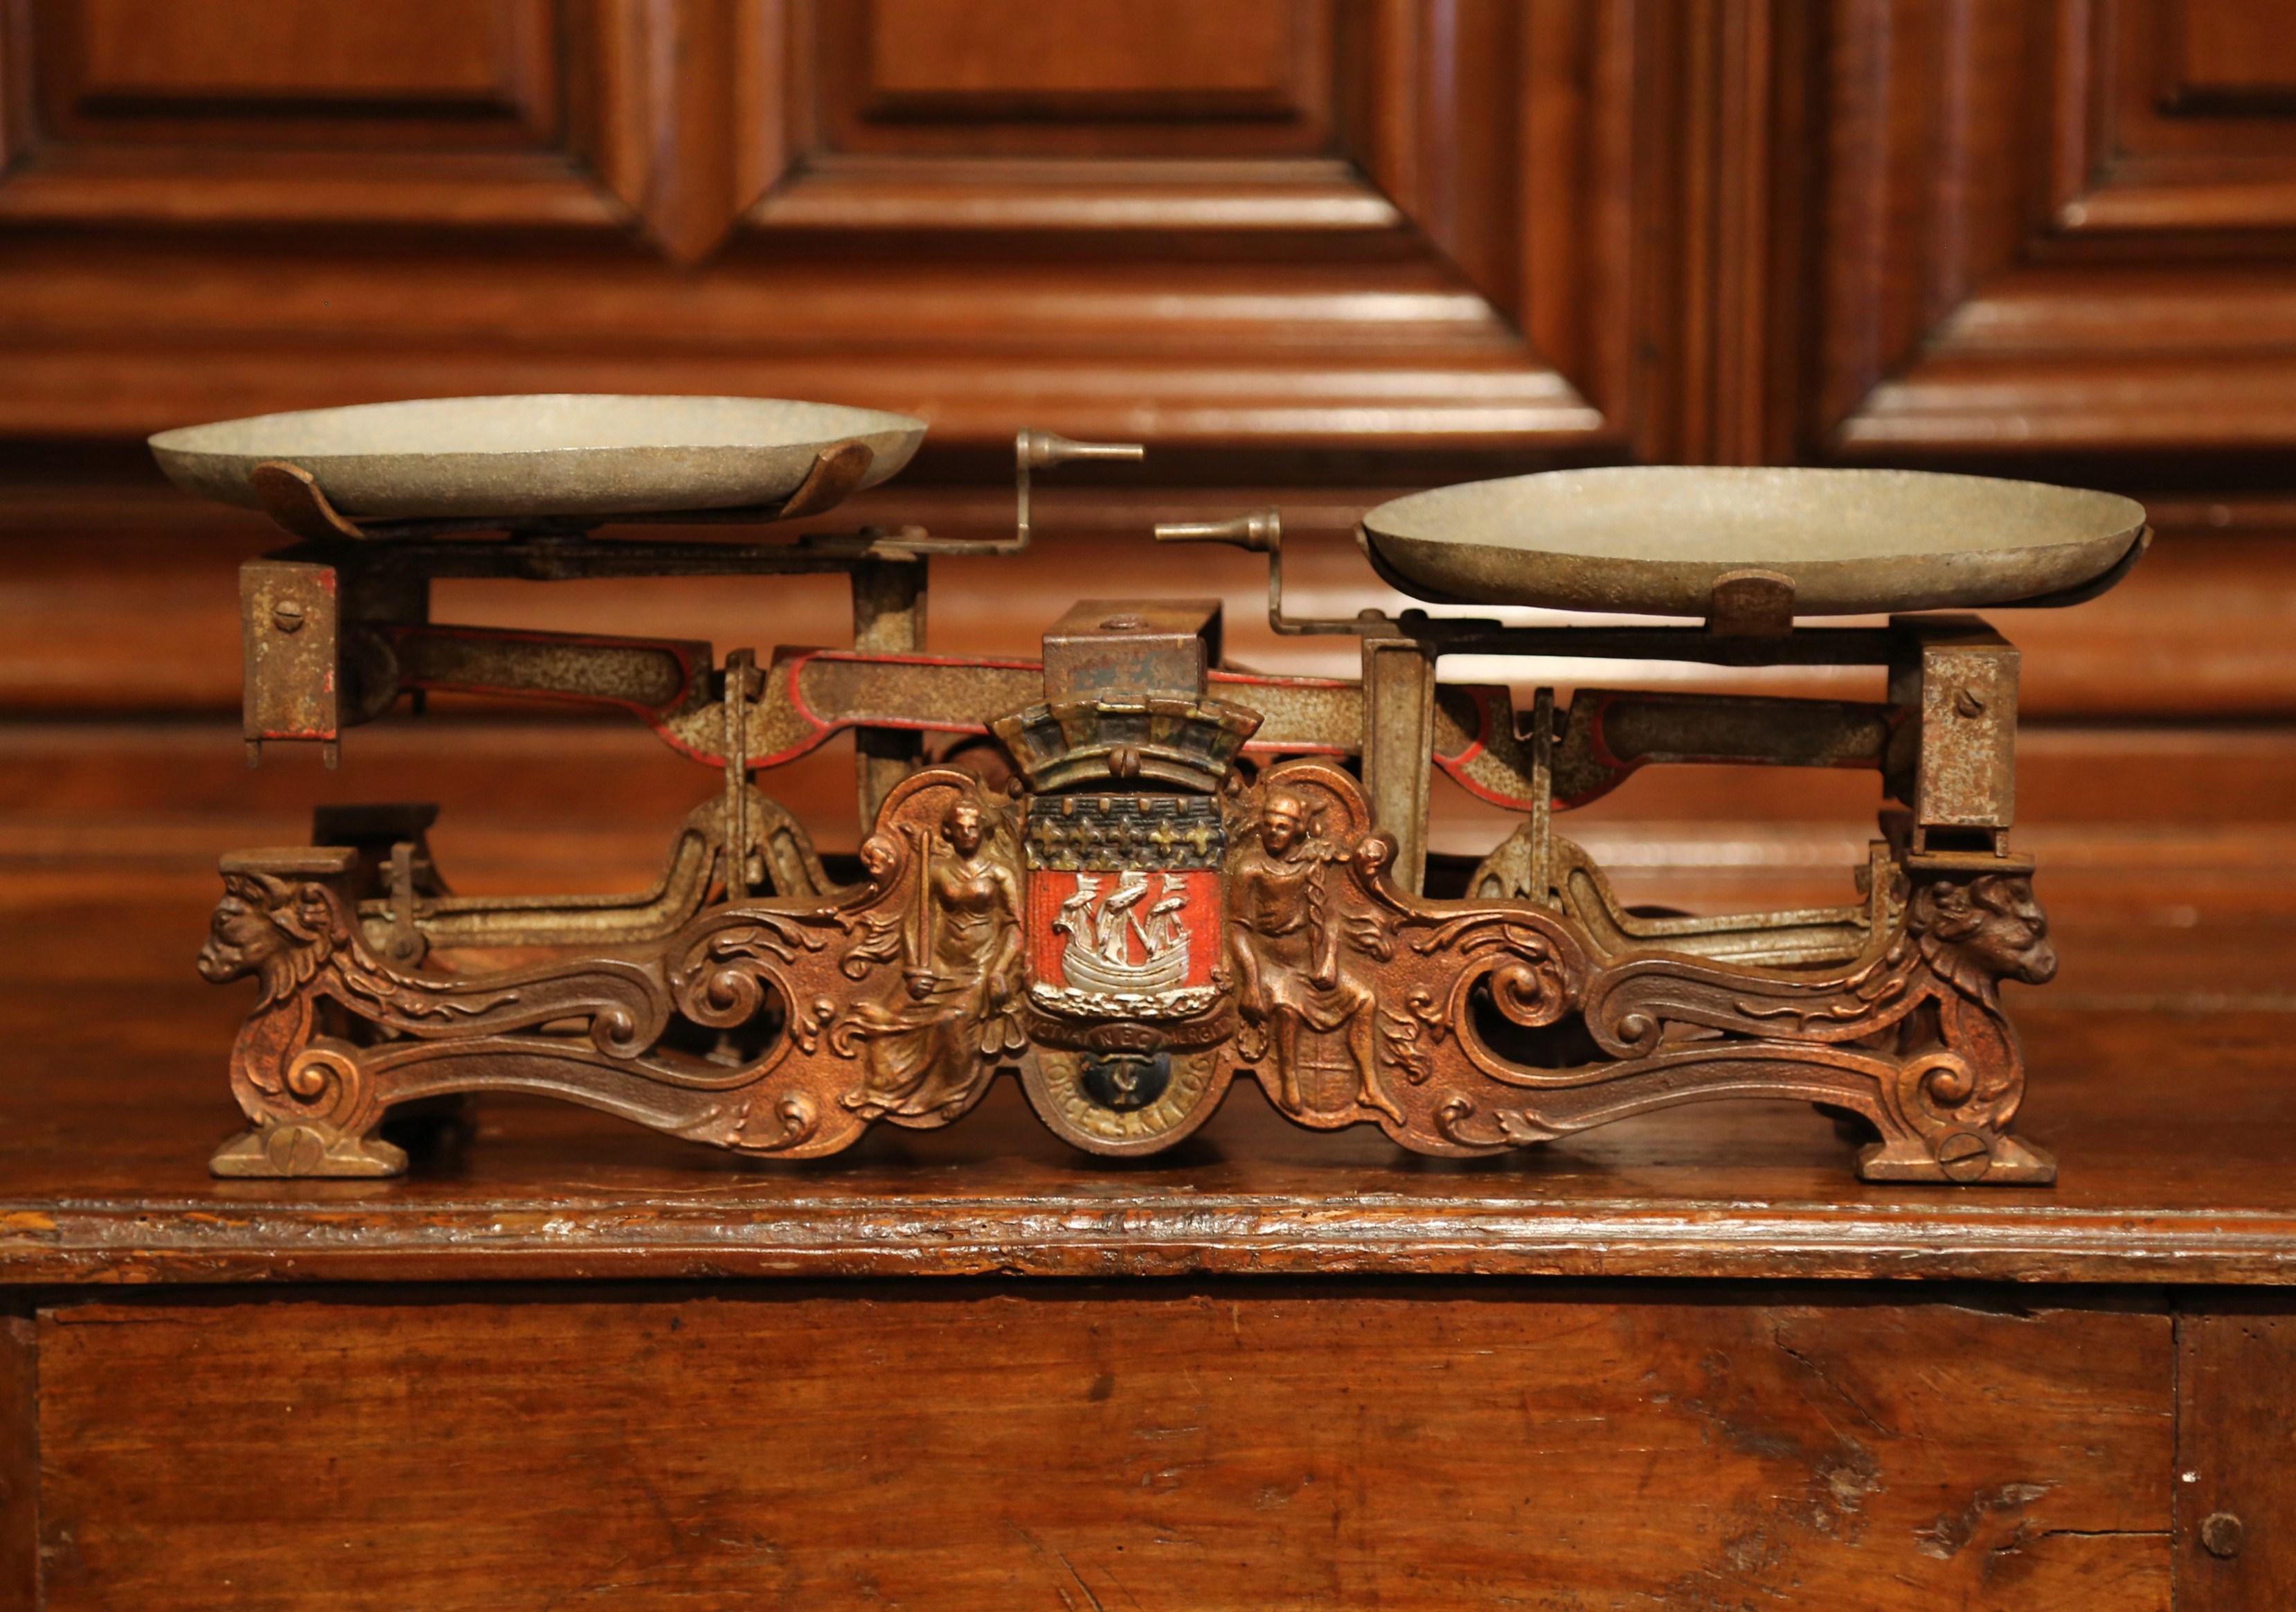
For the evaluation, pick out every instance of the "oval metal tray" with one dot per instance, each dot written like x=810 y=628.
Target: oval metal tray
x=1654 y=540
x=558 y=454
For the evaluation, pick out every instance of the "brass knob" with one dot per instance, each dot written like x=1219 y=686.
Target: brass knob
x=1042 y=449
x=1260 y=532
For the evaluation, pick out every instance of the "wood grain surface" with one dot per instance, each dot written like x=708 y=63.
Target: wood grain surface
x=1863 y=229
x=1152 y=1445
x=2162 y=1090
x=20 y=1454
x=1312 y=254
x=1371 y=226
x=2235 y=1490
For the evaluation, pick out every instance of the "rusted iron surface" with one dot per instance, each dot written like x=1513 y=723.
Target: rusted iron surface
x=1456 y=1027
x=291 y=496
x=1398 y=737
x=1958 y=678
x=1151 y=875
x=889 y=617
x=1131 y=647
x=291 y=636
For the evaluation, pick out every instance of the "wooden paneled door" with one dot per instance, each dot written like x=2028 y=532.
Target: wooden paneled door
x=1590 y=228
x=1231 y=224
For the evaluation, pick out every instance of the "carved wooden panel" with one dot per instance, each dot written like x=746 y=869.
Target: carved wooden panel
x=2233 y=55
x=120 y=73
x=2176 y=116
x=2058 y=225
x=1234 y=223
x=489 y=113
x=289 y=110
x=1202 y=116
x=1423 y=215
x=1092 y=65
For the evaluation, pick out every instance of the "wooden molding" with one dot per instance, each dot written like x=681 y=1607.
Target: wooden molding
x=1502 y=161
x=978 y=195
x=2143 y=145
x=257 y=113
x=685 y=120
x=1870 y=229
x=229 y=71
x=604 y=115
x=982 y=68
x=2024 y=245
x=1430 y=226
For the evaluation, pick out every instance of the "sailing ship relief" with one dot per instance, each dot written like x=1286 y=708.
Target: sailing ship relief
x=1124 y=905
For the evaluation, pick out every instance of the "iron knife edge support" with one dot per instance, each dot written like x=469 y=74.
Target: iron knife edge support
x=1150 y=873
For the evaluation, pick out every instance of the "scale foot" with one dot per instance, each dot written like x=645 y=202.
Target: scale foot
x=283 y=1152
x=1959 y=1158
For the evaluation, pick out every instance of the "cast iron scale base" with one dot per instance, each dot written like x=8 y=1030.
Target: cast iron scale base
x=1143 y=872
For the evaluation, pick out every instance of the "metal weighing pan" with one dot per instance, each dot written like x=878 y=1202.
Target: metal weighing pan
x=1655 y=540
x=565 y=456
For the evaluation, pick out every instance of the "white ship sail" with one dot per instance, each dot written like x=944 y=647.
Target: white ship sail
x=1111 y=948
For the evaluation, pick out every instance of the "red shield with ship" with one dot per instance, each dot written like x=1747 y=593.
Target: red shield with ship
x=1123 y=906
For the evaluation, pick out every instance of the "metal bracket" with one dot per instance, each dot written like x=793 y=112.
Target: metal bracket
x=1043 y=450
x=1398 y=744
x=1261 y=531
x=289 y=629
x=743 y=868
x=1750 y=604
x=293 y=498
x=1956 y=679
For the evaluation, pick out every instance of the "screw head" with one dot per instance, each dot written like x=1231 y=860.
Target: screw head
x=1969 y=702
x=287 y=616
x=1126 y=623
x=294 y=1150
x=2222 y=1534
x=1964 y=1155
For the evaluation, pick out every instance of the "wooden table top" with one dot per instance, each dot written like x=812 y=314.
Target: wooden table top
x=2160 y=1077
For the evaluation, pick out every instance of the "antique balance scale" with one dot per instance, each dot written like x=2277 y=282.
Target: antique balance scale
x=1147 y=873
